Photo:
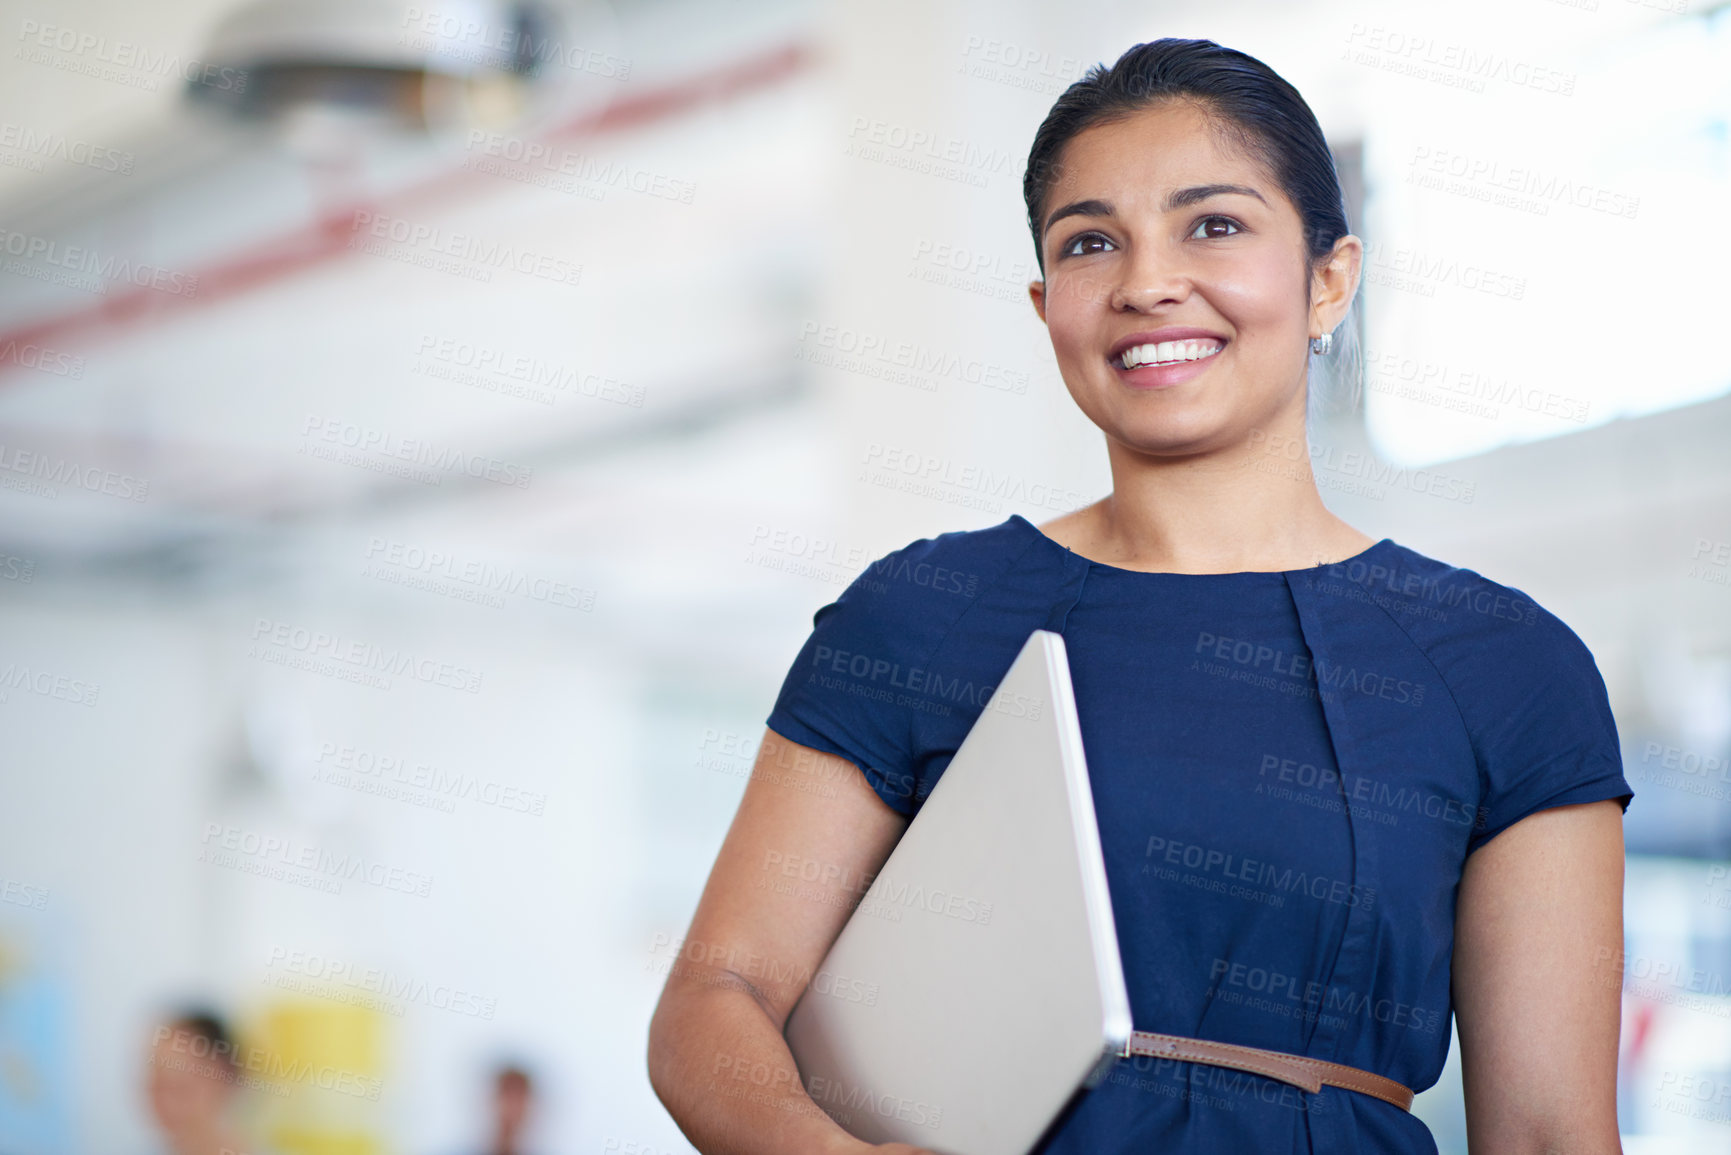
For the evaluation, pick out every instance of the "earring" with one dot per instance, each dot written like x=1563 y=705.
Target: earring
x=1321 y=345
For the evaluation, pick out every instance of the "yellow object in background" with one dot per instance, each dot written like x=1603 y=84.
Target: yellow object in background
x=321 y=1066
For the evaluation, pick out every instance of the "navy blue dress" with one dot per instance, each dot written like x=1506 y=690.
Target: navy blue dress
x=1289 y=770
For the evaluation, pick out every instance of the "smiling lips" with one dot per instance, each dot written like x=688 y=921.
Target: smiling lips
x=1169 y=352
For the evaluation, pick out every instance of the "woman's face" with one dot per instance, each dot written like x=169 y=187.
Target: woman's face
x=1135 y=244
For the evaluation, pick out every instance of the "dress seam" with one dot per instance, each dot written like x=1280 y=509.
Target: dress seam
x=1081 y=588
x=1359 y=851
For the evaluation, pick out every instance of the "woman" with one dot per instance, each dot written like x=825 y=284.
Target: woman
x=1343 y=789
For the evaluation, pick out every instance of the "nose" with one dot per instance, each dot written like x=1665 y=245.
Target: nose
x=1151 y=279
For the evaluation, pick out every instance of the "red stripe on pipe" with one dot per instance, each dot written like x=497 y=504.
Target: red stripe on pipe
x=328 y=235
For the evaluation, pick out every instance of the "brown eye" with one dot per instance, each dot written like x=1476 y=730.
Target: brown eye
x=1075 y=246
x=1206 y=222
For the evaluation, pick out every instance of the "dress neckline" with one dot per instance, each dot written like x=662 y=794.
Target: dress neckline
x=1361 y=556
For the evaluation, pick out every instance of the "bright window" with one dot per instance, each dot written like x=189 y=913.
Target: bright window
x=1547 y=228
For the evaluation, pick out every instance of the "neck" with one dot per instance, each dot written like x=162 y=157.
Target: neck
x=1252 y=505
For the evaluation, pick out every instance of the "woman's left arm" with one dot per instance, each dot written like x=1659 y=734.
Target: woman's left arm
x=1537 y=983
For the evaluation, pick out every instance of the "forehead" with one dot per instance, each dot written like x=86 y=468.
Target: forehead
x=1151 y=151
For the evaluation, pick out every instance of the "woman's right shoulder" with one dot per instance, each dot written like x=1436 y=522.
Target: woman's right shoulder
x=893 y=654
x=905 y=604
x=933 y=581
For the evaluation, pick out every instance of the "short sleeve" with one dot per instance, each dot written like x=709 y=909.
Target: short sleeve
x=1543 y=729
x=851 y=689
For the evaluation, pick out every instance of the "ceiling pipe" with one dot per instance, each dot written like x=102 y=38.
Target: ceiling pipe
x=405 y=91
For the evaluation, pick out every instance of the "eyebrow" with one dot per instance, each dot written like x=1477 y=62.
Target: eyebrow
x=1177 y=199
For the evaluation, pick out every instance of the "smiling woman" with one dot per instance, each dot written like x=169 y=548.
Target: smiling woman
x=1345 y=791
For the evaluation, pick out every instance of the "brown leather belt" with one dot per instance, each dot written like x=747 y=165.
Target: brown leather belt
x=1310 y=1074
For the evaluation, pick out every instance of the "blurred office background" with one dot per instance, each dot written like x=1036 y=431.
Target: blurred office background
x=427 y=430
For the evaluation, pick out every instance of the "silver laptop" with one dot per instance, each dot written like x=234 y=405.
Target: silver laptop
x=977 y=989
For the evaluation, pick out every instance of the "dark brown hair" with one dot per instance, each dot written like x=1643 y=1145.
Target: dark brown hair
x=1248 y=101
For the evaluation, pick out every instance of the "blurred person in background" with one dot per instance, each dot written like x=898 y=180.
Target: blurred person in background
x=513 y=1105
x=513 y=1093
x=191 y=1079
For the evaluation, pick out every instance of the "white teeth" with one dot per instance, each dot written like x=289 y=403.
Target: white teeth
x=1170 y=351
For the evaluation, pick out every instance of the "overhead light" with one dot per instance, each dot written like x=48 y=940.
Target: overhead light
x=415 y=64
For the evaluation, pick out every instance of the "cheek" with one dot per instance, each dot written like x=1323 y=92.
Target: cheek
x=1072 y=316
x=1079 y=293
x=1262 y=296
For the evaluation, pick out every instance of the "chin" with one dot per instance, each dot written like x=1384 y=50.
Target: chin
x=1179 y=431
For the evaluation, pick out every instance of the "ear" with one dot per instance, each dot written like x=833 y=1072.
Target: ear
x=1334 y=284
x=1037 y=294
